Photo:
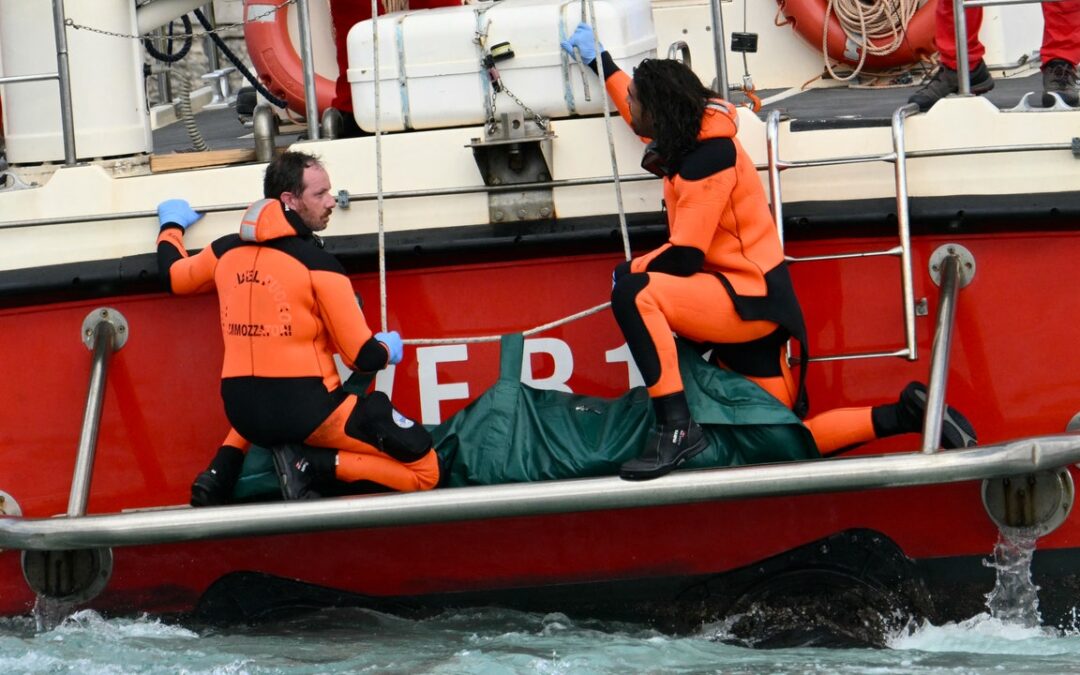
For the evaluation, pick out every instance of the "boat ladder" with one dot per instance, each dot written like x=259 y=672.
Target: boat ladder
x=952 y=269
x=902 y=250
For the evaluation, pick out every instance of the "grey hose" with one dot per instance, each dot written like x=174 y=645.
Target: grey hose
x=183 y=87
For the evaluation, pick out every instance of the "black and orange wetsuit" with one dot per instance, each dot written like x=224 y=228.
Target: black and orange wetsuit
x=286 y=308
x=720 y=279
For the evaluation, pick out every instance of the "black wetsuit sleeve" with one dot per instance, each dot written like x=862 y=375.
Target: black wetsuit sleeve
x=610 y=68
x=679 y=261
x=371 y=357
x=167 y=254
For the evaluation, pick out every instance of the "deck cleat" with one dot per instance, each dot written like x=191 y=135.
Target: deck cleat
x=1050 y=101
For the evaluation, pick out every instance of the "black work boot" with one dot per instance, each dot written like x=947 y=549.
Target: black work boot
x=675 y=439
x=946 y=81
x=1059 y=77
x=214 y=486
x=908 y=414
x=295 y=472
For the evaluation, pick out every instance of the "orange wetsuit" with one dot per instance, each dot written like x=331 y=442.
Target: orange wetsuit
x=286 y=307
x=720 y=278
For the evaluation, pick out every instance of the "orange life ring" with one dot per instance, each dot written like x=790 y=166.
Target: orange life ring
x=808 y=19
x=276 y=60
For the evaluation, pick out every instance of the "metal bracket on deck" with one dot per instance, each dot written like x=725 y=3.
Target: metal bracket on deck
x=16 y=182
x=264 y=124
x=514 y=151
x=966 y=271
x=105 y=315
x=1023 y=106
x=223 y=95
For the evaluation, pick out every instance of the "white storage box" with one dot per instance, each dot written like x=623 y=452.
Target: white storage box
x=430 y=60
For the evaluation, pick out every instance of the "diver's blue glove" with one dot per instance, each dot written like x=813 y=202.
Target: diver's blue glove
x=178 y=212
x=391 y=339
x=585 y=42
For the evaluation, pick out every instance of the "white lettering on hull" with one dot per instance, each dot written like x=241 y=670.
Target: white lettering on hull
x=433 y=392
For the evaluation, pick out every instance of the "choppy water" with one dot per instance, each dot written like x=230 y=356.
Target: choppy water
x=1006 y=639
x=502 y=641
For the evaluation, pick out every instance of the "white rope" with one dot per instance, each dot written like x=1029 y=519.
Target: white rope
x=610 y=135
x=866 y=24
x=378 y=163
x=495 y=338
x=379 y=197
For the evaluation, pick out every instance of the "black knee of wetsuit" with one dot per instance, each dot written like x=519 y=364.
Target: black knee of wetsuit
x=376 y=422
x=624 y=307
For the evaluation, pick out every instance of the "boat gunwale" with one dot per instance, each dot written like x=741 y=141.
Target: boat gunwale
x=844 y=474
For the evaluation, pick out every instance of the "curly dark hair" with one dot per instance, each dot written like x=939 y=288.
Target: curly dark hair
x=285 y=173
x=675 y=99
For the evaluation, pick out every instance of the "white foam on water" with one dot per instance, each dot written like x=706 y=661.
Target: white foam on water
x=90 y=622
x=983 y=634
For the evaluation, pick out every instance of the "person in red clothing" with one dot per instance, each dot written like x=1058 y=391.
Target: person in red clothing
x=286 y=307
x=1059 y=54
x=720 y=279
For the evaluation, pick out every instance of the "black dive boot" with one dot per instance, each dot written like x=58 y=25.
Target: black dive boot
x=295 y=473
x=908 y=415
x=675 y=439
x=214 y=486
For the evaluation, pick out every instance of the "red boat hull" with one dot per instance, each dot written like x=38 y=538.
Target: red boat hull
x=1013 y=372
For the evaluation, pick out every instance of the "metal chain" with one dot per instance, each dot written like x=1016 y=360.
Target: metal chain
x=70 y=23
x=540 y=121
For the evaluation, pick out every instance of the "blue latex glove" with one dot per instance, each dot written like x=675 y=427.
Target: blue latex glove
x=391 y=339
x=584 y=41
x=177 y=211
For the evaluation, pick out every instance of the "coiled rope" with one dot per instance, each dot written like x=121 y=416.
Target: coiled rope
x=868 y=23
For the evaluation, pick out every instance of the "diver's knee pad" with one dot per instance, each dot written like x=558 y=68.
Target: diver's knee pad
x=376 y=422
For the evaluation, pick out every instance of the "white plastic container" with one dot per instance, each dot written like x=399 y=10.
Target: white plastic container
x=430 y=60
x=107 y=91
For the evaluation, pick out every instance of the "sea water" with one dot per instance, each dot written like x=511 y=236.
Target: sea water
x=488 y=640
x=1005 y=639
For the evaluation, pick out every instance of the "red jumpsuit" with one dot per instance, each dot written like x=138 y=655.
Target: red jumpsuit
x=1061 y=32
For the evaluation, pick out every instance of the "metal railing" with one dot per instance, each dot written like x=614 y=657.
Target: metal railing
x=898 y=157
x=104 y=332
x=446 y=505
x=63 y=78
x=940 y=352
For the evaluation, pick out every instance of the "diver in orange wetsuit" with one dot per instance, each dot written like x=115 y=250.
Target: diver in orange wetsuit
x=720 y=279
x=286 y=308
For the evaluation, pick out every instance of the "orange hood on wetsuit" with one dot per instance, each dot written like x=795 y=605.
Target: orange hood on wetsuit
x=718 y=205
x=286 y=305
